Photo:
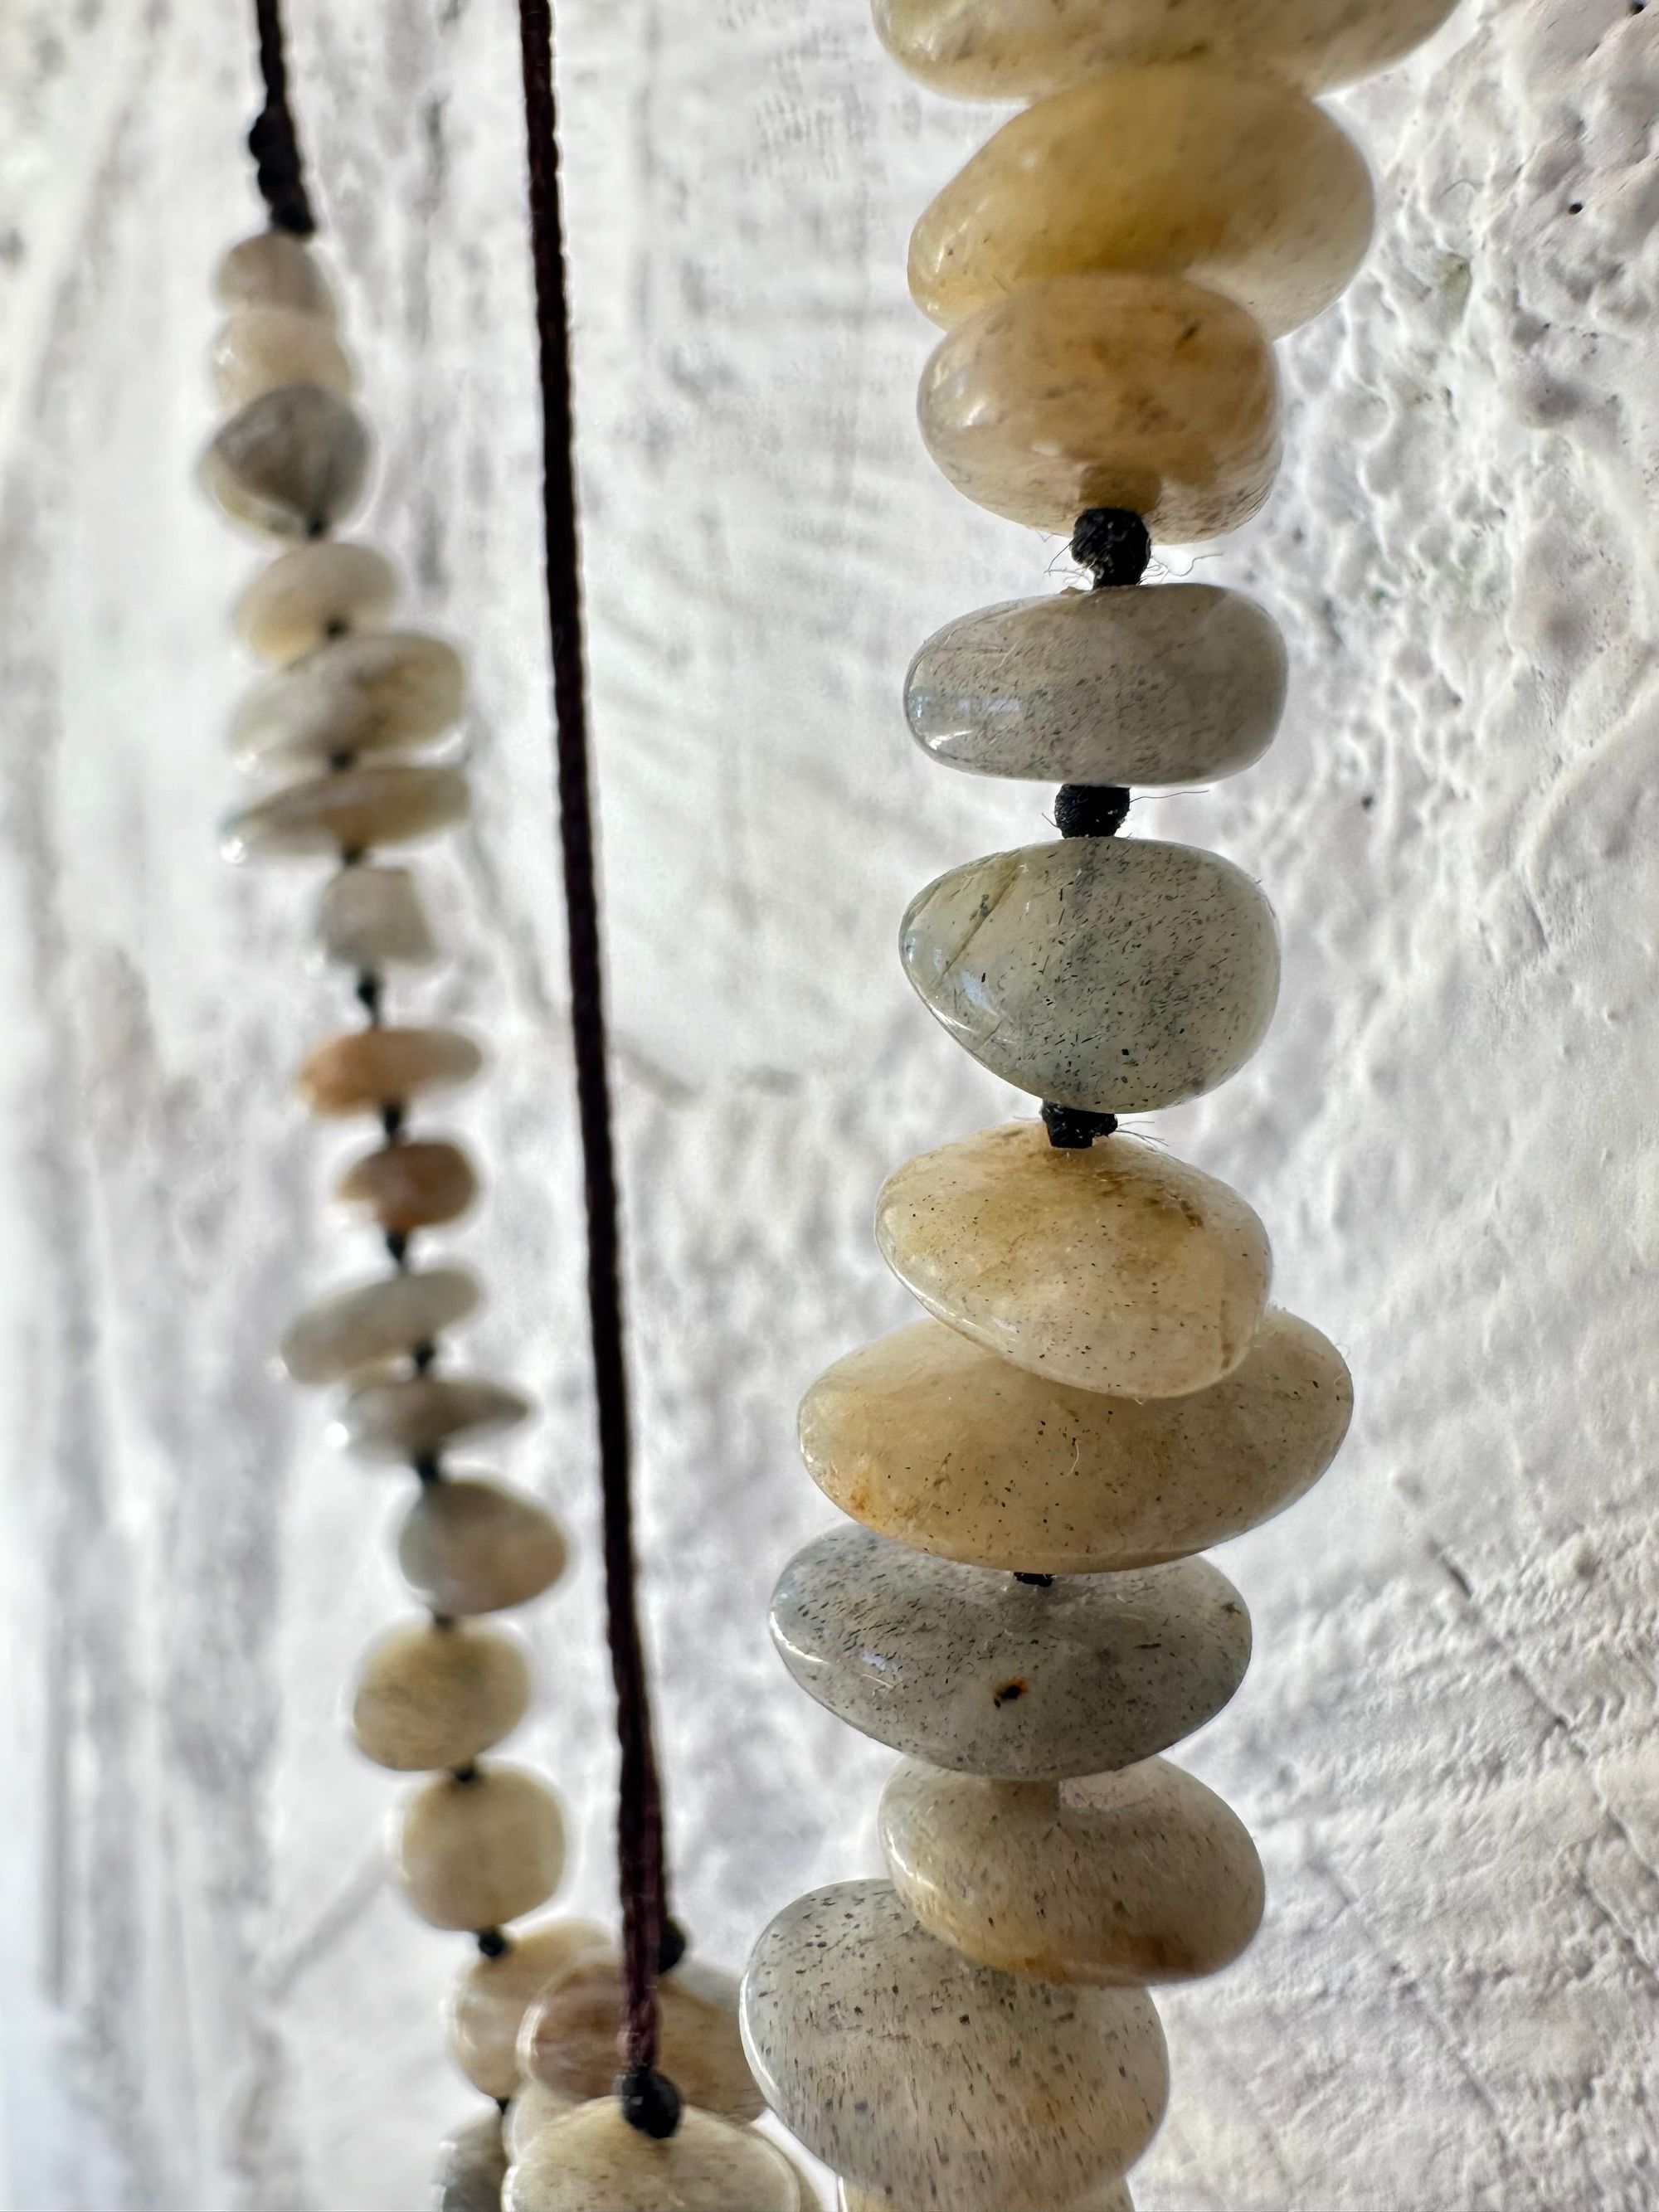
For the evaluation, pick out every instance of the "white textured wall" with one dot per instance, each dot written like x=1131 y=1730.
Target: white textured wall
x=211 y=2002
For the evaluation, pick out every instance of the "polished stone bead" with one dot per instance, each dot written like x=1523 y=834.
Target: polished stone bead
x=931 y=1440
x=486 y=2012
x=479 y=1853
x=1178 y=170
x=1020 y=49
x=369 y=1069
x=348 y=813
x=376 y=1321
x=987 y=1675
x=372 y=919
x=1114 y=1879
x=471 y=2167
x=1120 y=974
x=468 y=1546
x=592 y=2160
x=570 y=2039
x=1146 y=392
x=1153 y=686
x=273 y=269
x=301 y=599
x=381 y=690
x=415 y=1415
x=898 y=2061
x=262 y=349
x=405 y=1187
x=533 y=2109
x=291 y=463
x=433 y=1695
x=1110 y=2197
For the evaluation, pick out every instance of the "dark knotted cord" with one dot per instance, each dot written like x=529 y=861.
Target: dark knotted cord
x=273 y=141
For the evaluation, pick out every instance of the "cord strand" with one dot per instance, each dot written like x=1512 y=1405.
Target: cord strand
x=273 y=140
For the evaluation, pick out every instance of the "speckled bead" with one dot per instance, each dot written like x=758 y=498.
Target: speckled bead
x=260 y=350
x=592 y=2160
x=373 y=918
x=1153 y=685
x=300 y=600
x=478 y=1853
x=416 y=1415
x=900 y=2062
x=472 y=2169
x=348 y=813
x=405 y=1187
x=273 y=269
x=983 y=1674
x=486 y=2012
x=569 y=2040
x=1120 y=974
x=375 y=1321
x=367 y=1070
x=291 y=463
x=379 y=691
x=468 y=1546
x=431 y=1695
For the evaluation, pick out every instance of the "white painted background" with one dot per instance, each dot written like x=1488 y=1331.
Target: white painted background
x=212 y=2002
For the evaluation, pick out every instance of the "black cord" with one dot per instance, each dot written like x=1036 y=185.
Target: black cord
x=273 y=142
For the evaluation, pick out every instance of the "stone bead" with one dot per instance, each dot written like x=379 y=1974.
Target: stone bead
x=348 y=813
x=931 y=1440
x=300 y=600
x=906 y=2066
x=1112 y=1880
x=1117 y=973
x=1176 y=170
x=533 y=2109
x=405 y=1187
x=433 y=1695
x=261 y=350
x=1147 y=393
x=487 y=2010
x=477 y=1854
x=378 y=691
x=273 y=269
x=468 y=1546
x=376 y=1321
x=1111 y=2197
x=987 y=1675
x=569 y=2042
x=372 y=919
x=416 y=1415
x=1156 y=685
x=1019 y=49
x=471 y=2167
x=369 y=1069
x=1115 y=1269
x=591 y=2161
x=291 y=463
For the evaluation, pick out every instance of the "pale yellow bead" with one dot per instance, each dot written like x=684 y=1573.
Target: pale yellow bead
x=1114 y=2197
x=1146 y=392
x=592 y=2161
x=300 y=600
x=468 y=1546
x=262 y=348
x=431 y=1695
x=477 y=1854
x=569 y=2043
x=533 y=2109
x=273 y=269
x=487 y=2010
x=348 y=812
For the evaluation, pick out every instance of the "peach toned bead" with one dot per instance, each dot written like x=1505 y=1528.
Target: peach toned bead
x=477 y=1854
x=569 y=2042
x=407 y=1187
x=273 y=269
x=469 y=1547
x=1146 y=392
x=348 y=813
x=433 y=1695
x=302 y=598
x=262 y=348
x=368 y=1069
x=592 y=2161
x=487 y=2009
x=291 y=463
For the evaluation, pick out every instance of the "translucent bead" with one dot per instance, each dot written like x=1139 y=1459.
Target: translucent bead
x=431 y=1696
x=1154 y=685
x=367 y=1070
x=1145 y=393
x=417 y=1415
x=405 y=1187
x=300 y=600
x=471 y=2167
x=261 y=350
x=478 y=1853
x=1111 y=2197
x=592 y=2160
x=351 y=812
x=1112 y=1880
x=469 y=1547
x=895 y=2060
x=533 y=2109
x=987 y=1675
x=273 y=269
x=570 y=2039
x=375 y=1321
x=1120 y=974
x=379 y=691
x=487 y=2010
x=931 y=1440
x=372 y=919
x=291 y=463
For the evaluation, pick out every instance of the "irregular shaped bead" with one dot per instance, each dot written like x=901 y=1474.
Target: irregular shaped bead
x=367 y=1070
x=1120 y=974
x=486 y=2012
x=1146 y=392
x=898 y=2061
x=477 y=1854
x=1021 y=49
x=375 y=1321
x=1154 y=685
x=1240 y=185
x=433 y=1695
x=570 y=2041
x=405 y=1187
x=1113 y=1879
x=260 y=350
x=471 y=2167
x=468 y=1546
x=417 y=1415
x=591 y=2161
x=928 y=1439
x=273 y=269
x=381 y=690
x=291 y=463
x=1112 y=2196
x=348 y=813
x=984 y=1674
x=372 y=919
x=301 y=599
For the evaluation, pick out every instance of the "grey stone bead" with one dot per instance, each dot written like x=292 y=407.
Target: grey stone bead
x=351 y=812
x=293 y=463
x=373 y=918
x=414 y=1414
x=471 y=2167
x=381 y=691
x=375 y=1321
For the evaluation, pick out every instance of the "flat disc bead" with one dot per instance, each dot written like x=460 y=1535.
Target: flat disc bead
x=1153 y=685
x=415 y=1415
x=1117 y=1268
x=477 y=1854
x=928 y=1440
x=907 y=2067
x=983 y=1674
x=301 y=598
x=403 y=1187
x=382 y=690
x=260 y=350
x=468 y=1546
x=368 y=1069
x=290 y=463
x=1120 y=974
x=273 y=269
x=569 y=2042
x=1145 y=393
x=472 y=2169
x=1112 y=1880
x=431 y=1696
x=592 y=2160
x=486 y=2012
x=373 y=918
x=348 y=813
x=375 y=1321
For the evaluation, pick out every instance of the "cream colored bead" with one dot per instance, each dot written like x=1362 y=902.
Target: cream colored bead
x=416 y=1415
x=376 y=1321
x=373 y=918
x=273 y=269
x=472 y=1548
x=533 y=2109
x=369 y=1069
x=291 y=463
x=471 y=2167
x=569 y=2042
x=592 y=2161
x=351 y=812
x=1113 y=2197
x=260 y=350
x=405 y=1186
x=1146 y=392
x=300 y=600
x=385 y=690
x=431 y=1695
x=477 y=1854
x=487 y=2009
